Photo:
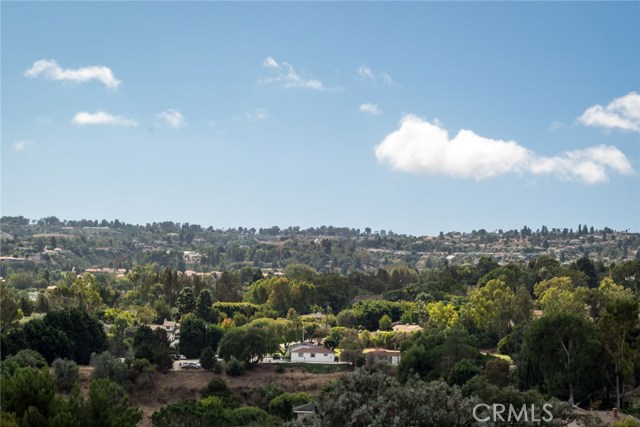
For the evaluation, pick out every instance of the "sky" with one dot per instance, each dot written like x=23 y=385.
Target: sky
x=415 y=117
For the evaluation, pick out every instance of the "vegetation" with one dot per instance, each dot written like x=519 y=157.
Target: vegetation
x=126 y=298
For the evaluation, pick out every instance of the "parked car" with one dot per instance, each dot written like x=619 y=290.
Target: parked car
x=190 y=365
x=276 y=357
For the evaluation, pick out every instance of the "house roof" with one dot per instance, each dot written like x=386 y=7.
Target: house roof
x=314 y=350
x=381 y=352
x=307 y=408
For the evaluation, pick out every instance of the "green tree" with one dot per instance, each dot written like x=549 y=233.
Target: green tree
x=9 y=310
x=67 y=374
x=282 y=406
x=108 y=406
x=192 y=336
x=385 y=323
x=186 y=301
x=207 y=359
x=567 y=352
x=203 y=305
x=617 y=327
x=462 y=372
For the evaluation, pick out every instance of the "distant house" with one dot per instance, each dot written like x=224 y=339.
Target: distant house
x=537 y=313
x=312 y=354
x=191 y=256
x=172 y=328
x=381 y=354
x=303 y=411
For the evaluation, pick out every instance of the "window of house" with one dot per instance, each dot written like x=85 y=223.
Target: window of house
x=313 y=355
x=299 y=354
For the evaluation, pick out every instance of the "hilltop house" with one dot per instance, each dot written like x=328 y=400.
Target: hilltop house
x=308 y=353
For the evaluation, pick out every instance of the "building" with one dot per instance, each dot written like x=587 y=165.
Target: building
x=303 y=411
x=381 y=354
x=312 y=354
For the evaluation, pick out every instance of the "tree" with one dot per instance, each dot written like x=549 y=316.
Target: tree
x=186 y=301
x=249 y=345
x=385 y=323
x=462 y=372
x=347 y=318
x=27 y=387
x=67 y=374
x=282 y=406
x=565 y=348
x=617 y=326
x=192 y=336
x=109 y=406
x=9 y=310
x=441 y=316
x=203 y=305
x=351 y=347
x=207 y=359
x=491 y=307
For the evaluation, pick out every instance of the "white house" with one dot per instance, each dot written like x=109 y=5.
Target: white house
x=312 y=354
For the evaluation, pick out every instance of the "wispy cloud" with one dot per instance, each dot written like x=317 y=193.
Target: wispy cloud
x=172 y=118
x=21 y=145
x=622 y=113
x=52 y=71
x=101 y=118
x=286 y=75
x=370 y=109
x=258 y=114
x=422 y=147
x=380 y=78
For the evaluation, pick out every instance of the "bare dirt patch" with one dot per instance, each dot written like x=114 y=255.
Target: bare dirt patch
x=180 y=385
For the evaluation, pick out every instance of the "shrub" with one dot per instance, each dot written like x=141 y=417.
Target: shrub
x=207 y=359
x=67 y=374
x=279 y=369
x=282 y=406
x=234 y=368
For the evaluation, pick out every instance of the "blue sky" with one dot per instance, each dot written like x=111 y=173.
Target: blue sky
x=412 y=117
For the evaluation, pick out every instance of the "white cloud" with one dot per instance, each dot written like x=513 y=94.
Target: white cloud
x=378 y=78
x=172 y=118
x=269 y=62
x=422 y=147
x=370 y=109
x=101 y=118
x=258 y=114
x=51 y=70
x=622 y=113
x=287 y=76
x=21 y=145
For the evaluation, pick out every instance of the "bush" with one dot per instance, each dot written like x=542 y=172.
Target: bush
x=282 y=406
x=207 y=359
x=217 y=368
x=462 y=372
x=234 y=368
x=29 y=358
x=248 y=415
x=279 y=369
x=218 y=387
x=67 y=374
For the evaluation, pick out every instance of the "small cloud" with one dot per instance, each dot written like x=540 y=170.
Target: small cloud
x=554 y=126
x=52 y=71
x=21 y=145
x=422 y=147
x=269 y=62
x=287 y=76
x=377 y=78
x=172 y=118
x=258 y=114
x=370 y=109
x=622 y=113
x=101 y=118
